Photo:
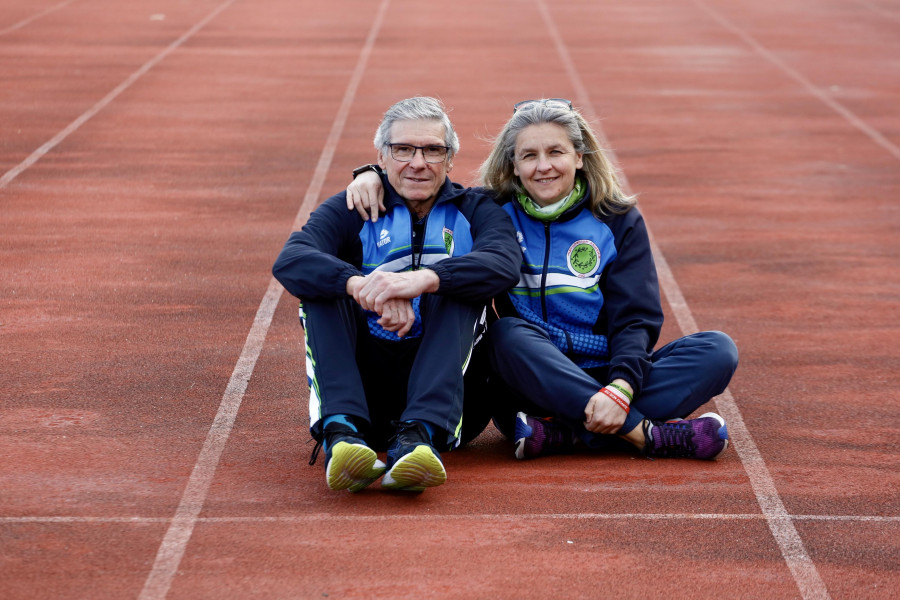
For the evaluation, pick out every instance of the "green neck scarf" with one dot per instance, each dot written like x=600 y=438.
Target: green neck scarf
x=552 y=212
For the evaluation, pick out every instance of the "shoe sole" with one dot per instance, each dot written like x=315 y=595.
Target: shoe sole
x=523 y=432
x=352 y=467
x=723 y=431
x=415 y=471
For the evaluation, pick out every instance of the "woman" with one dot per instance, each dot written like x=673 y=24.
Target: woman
x=572 y=353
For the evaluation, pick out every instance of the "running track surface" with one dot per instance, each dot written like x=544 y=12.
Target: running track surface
x=154 y=157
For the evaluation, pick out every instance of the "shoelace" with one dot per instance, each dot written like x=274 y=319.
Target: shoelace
x=315 y=453
x=408 y=432
x=342 y=431
x=675 y=439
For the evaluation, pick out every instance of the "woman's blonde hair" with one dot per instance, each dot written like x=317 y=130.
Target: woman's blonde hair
x=498 y=171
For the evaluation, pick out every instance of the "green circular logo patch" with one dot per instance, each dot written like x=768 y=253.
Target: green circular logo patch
x=583 y=258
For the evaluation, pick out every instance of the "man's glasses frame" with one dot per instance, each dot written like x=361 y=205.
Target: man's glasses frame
x=432 y=153
x=560 y=103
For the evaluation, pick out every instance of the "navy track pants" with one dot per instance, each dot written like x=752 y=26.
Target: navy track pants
x=379 y=381
x=531 y=375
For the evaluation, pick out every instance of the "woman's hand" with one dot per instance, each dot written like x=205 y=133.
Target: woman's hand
x=366 y=195
x=603 y=413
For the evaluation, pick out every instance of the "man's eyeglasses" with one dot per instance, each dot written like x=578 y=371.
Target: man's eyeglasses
x=406 y=152
x=560 y=103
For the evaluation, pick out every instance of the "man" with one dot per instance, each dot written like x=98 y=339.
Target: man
x=391 y=309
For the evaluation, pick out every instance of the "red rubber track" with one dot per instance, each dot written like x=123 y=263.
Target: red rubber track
x=154 y=157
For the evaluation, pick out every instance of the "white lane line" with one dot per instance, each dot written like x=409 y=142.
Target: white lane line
x=548 y=516
x=316 y=517
x=175 y=542
x=820 y=94
x=43 y=13
x=179 y=532
x=860 y=518
x=81 y=120
x=789 y=542
x=311 y=518
x=62 y=519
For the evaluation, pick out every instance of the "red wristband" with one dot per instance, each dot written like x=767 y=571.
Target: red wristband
x=617 y=399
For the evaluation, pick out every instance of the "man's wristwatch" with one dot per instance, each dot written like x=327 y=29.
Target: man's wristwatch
x=365 y=168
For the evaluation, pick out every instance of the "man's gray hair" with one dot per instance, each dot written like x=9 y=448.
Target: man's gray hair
x=413 y=109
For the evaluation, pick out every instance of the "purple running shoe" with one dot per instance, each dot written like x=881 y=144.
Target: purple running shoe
x=705 y=437
x=536 y=436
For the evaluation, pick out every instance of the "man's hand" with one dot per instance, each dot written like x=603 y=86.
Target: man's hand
x=397 y=316
x=381 y=286
x=390 y=294
x=366 y=194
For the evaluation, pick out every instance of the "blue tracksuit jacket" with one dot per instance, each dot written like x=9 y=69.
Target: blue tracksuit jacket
x=591 y=284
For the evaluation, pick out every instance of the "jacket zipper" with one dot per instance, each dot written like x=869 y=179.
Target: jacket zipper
x=569 y=343
x=417 y=254
x=544 y=271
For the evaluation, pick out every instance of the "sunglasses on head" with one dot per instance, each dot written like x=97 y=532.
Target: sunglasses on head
x=560 y=103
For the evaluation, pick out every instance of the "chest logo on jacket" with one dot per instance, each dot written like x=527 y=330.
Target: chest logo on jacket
x=583 y=258
x=384 y=238
x=448 y=241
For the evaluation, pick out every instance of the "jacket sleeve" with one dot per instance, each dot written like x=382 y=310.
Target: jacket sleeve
x=317 y=261
x=632 y=303
x=492 y=267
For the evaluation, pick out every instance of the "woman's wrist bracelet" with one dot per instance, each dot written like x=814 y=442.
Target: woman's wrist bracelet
x=623 y=390
x=623 y=404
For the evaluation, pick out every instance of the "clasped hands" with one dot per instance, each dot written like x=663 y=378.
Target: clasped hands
x=390 y=295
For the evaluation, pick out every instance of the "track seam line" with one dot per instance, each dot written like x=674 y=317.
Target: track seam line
x=830 y=102
x=43 y=13
x=452 y=517
x=786 y=535
x=106 y=100
x=173 y=545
